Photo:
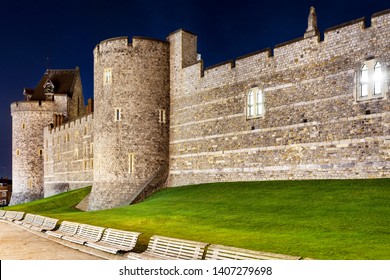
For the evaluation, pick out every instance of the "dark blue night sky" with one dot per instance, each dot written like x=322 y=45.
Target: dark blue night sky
x=66 y=32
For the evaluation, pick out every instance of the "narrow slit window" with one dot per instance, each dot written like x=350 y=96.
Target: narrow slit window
x=131 y=163
x=162 y=116
x=118 y=115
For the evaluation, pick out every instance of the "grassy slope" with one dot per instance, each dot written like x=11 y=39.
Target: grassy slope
x=322 y=219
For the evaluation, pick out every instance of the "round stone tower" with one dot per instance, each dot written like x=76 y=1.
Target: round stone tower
x=28 y=121
x=56 y=98
x=131 y=118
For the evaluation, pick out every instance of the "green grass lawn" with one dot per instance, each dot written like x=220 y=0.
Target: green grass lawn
x=320 y=219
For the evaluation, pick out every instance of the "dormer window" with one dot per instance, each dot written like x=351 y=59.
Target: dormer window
x=371 y=82
x=48 y=87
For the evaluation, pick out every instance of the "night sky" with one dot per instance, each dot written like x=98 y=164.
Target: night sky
x=36 y=35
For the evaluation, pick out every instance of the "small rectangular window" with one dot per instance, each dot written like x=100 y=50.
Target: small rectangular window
x=107 y=78
x=118 y=114
x=17 y=152
x=131 y=163
x=161 y=116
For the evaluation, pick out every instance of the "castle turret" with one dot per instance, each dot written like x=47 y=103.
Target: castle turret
x=131 y=120
x=49 y=103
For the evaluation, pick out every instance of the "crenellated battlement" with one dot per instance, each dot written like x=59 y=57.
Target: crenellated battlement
x=122 y=44
x=87 y=119
x=299 y=51
x=26 y=106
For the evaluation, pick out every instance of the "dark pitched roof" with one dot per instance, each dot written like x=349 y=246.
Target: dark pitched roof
x=63 y=81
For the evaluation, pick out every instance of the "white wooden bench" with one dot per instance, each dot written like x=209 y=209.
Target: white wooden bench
x=115 y=241
x=219 y=252
x=167 y=248
x=37 y=222
x=48 y=224
x=66 y=228
x=13 y=215
x=85 y=233
x=27 y=221
x=9 y=215
x=19 y=216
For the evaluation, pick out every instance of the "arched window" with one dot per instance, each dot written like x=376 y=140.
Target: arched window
x=371 y=80
x=255 y=103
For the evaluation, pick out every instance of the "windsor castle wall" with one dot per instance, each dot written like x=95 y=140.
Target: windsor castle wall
x=68 y=156
x=312 y=125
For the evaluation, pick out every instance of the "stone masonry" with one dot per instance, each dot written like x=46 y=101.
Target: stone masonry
x=306 y=109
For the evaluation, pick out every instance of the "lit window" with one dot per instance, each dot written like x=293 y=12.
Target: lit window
x=371 y=80
x=161 y=116
x=107 y=78
x=377 y=78
x=251 y=101
x=259 y=103
x=17 y=152
x=364 y=81
x=255 y=103
x=23 y=126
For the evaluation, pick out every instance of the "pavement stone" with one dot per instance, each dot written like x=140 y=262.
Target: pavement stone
x=19 y=244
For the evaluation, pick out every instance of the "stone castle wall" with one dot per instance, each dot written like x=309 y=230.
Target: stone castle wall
x=313 y=126
x=68 y=156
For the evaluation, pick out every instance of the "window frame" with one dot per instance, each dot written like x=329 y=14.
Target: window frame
x=252 y=103
x=371 y=83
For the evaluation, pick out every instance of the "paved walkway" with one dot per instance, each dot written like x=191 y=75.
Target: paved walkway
x=19 y=244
